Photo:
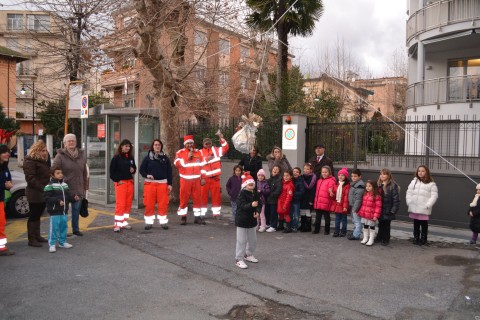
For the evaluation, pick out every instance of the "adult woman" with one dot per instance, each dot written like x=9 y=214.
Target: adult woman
x=5 y=184
x=252 y=162
x=122 y=169
x=277 y=158
x=75 y=174
x=37 y=175
x=157 y=171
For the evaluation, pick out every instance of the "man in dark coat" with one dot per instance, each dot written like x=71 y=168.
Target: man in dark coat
x=320 y=160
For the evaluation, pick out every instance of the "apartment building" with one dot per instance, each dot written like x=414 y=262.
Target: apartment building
x=8 y=77
x=443 y=40
x=221 y=66
x=40 y=75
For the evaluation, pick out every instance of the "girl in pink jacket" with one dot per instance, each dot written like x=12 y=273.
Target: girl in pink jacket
x=324 y=198
x=370 y=211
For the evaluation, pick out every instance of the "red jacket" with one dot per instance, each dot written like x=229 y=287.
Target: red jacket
x=323 y=201
x=285 y=198
x=371 y=208
x=211 y=158
x=189 y=168
x=338 y=207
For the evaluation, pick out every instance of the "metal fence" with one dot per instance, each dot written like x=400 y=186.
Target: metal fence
x=268 y=135
x=454 y=143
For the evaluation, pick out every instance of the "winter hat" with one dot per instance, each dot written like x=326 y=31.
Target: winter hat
x=261 y=172
x=343 y=171
x=207 y=140
x=247 y=179
x=187 y=139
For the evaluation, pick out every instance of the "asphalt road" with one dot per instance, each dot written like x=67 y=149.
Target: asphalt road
x=188 y=272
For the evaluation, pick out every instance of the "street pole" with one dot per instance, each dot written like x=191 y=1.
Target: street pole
x=33 y=110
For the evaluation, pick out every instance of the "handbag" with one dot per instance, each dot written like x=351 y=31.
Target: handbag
x=84 y=208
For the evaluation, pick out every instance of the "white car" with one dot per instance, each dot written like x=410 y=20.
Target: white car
x=17 y=206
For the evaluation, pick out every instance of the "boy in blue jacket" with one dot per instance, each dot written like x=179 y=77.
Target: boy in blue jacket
x=55 y=194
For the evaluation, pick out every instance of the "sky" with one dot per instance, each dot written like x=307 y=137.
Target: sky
x=371 y=29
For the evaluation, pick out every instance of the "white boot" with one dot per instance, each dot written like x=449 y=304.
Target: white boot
x=365 y=235
x=371 y=240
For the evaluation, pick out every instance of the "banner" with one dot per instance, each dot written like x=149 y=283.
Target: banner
x=75 y=97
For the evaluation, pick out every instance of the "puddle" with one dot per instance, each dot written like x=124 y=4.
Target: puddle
x=454 y=261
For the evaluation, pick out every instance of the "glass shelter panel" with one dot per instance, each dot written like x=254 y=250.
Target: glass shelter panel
x=149 y=129
x=96 y=152
x=113 y=143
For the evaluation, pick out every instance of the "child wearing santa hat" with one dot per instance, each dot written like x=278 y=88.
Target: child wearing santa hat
x=248 y=205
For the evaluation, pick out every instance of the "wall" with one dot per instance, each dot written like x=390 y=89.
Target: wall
x=5 y=78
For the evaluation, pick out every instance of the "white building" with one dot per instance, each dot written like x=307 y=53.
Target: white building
x=443 y=40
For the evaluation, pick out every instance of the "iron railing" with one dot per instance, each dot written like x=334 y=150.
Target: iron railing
x=441 y=13
x=444 y=90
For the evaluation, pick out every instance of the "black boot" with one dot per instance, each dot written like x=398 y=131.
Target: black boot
x=183 y=220
x=280 y=225
x=197 y=220
x=308 y=224
x=423 y=239
x=32 y=237
x=288 y=229
x=302 y=223
x=327 y=230
x=416 y=238
x=37 y=232
x=317 y=228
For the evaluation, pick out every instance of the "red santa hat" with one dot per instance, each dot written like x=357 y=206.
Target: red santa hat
x=187 y=139
x=247 y=179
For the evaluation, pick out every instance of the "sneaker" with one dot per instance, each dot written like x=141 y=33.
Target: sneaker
x=66 y=245
x=262 y=229
x=52 y=249
x=473 y=242
x=341 y=235
x=127 y=227
x=271 y=229
x=116 y=229
x=336 y=234
x=251 y=259
x=351 y=237
x=241 y=264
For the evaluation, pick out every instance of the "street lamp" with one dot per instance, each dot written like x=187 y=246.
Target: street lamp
x=23 y=91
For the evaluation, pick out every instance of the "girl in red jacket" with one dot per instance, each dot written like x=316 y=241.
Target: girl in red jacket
x=340 y=205
x=324 y=198
x=285 y=200
x=370 y=211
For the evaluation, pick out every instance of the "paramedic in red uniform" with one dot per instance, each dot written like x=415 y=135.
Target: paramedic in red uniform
x=189 y=163
x=211 y=173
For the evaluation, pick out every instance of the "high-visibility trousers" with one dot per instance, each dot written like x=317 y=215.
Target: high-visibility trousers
x=123 y=202
x=190 y=188
x=3 y=223
x=155 y=193
x=212 y=186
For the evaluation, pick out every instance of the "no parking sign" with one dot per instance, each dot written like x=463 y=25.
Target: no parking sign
x=84 y=108
x=289 y=136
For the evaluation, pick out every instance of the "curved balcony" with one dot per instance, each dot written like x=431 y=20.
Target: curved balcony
x=444 y=90
x=442 y=13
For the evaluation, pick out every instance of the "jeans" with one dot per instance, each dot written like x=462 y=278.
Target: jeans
x=75 y=215
x=294 y=214
x=271 y=215
x=340 y=218
x=58 y=229
x=234 y=210
x=357 y=222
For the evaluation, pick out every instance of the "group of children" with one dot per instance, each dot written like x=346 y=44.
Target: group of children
x=287 y=202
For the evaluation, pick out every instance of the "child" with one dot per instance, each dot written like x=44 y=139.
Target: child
x=370 y=211
x=248 y=202
x=264 y=190
x=390 y=205
x=309 y=182
x=271 y=215
x=340 y=206
x=234 y=185
x=297 y=197
x=422 y=193
x=5 y=184
x=474 y=213
x=285 y=201
x=55 y=194
x=323 y=199
x=355 y=195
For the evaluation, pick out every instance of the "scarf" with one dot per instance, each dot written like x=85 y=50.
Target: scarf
x=155 y=156
x=73 y=154
x=475 y=201
x=339 y=191
x=313 y=182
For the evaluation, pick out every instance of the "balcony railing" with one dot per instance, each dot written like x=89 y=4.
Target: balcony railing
x=444 y=90
x=442 y=13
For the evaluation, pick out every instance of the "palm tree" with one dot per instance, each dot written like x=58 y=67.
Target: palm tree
x=298 y=21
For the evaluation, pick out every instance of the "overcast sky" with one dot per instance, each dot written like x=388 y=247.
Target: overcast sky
x=372 y=29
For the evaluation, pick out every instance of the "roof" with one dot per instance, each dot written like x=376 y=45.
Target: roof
x=17 y=56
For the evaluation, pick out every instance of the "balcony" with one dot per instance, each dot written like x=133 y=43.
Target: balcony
x=444 y=90
x=114 y=79
x=442 y=13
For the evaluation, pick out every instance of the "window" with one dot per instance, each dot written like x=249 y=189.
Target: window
x=223 y=78
x=199 y=72
x=244 y=53
x=243 y=83
x=224 y=46
x=15 y=21
x=127 y=21
x=13 y=44
x=464 y=80
x=38 y=22
x=200 y=38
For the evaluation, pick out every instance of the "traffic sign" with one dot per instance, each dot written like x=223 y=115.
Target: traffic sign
x=84 y=109
x=289 y=137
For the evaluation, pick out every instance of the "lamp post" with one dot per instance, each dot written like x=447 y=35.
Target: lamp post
x=22 y=91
